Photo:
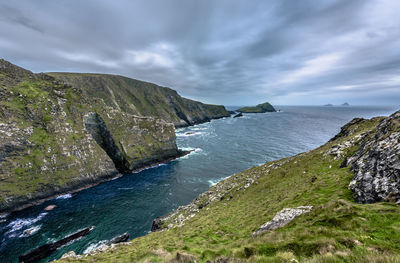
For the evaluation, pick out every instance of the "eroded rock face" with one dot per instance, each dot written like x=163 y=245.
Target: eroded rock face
x=55 y=139
x=282 y=218
x=376 y=164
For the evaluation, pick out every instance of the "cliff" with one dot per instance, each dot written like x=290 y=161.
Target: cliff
x=55 y=139
x=336 y=203
x=260 y=108
x=143 y=98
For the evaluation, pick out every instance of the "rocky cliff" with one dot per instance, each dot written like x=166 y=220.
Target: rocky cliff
x=54 y=138
x=143 y=98
x=375 y=161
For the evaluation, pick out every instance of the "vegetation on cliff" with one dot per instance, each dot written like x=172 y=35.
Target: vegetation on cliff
x=260 y=108
x=54 y=139
x=218 y=225
x=143 y=98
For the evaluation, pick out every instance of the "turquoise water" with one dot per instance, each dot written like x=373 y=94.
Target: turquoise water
x=129 y=204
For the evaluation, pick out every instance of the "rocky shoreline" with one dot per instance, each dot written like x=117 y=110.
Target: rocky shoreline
x=87 y=186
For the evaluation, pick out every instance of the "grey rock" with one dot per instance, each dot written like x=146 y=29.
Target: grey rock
x=282 y=218
x=376 y=164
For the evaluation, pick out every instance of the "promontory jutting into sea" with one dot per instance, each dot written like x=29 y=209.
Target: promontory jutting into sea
x=199 y=131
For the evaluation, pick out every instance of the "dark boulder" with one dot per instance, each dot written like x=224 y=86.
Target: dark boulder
x=118 y=239
x=157 y=224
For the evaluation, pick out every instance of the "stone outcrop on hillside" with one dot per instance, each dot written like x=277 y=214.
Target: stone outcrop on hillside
x=376 y=164
x=373 y=156
x=282 y=218
x=54 y=139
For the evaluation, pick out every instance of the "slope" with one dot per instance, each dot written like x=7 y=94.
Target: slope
x=143 y=98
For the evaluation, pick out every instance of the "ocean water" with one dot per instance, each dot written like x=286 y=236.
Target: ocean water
x=221 y=148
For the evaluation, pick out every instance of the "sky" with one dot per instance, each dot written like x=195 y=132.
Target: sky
x=241 y=52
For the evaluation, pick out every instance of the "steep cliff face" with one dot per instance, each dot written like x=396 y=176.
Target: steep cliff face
x=54 y=139
x=143 y=98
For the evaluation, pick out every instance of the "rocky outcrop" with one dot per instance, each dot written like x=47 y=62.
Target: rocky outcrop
x=47 y=249
x=143 y=98
x=282 y=218
x=55 y=139
x=376 y=164
x=374 y=157
x=100 y=247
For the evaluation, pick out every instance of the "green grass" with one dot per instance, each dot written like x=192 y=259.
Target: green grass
x=336 y=230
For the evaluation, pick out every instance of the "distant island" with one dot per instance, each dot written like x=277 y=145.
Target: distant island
x=260 y=108
x=346 y=104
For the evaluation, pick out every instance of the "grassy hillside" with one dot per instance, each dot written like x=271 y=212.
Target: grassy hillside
x=260 y=108
x=217 y=225
x=143 y=98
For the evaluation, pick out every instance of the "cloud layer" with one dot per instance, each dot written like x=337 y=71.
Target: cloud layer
x=227 y=52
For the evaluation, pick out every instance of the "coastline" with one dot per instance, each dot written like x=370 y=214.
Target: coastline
x=75 y=190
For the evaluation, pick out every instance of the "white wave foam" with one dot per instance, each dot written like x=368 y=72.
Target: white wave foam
x=20 y=223
x=94 y=246
x=188 y=134
x=31 y=231
x=216 y=181
x=212 y=182
x=199 y=128
x=3 y=216
x=193 y=151
x=66 y=196
x=125 y=188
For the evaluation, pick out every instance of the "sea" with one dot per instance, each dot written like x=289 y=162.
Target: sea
x=220 y=148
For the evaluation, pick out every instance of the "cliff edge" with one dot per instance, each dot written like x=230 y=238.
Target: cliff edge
x=55 y=139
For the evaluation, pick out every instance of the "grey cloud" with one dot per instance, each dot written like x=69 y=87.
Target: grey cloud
x=225 y=52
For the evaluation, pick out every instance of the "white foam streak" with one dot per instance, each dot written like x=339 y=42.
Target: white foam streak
x=94 y=246
x=66 y=196
x=21 y=223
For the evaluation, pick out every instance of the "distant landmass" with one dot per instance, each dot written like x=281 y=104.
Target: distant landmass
x=331 y=105
x=260 y=108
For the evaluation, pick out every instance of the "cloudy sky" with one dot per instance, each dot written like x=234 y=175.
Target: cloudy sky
x=218 y=51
